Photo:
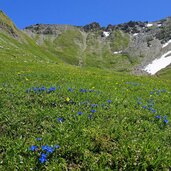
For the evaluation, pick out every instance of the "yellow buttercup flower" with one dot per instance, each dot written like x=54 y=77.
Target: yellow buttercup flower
x=67 y=99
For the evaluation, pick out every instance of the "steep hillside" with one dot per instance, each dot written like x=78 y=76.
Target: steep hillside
x=16 y=47
x=6 y=25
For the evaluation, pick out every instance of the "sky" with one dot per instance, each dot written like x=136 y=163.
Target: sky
x=81 y=12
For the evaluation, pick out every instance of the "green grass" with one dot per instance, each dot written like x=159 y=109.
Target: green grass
x=119 y=40
x=102 y=120
x=119 y=135
x=165 y=73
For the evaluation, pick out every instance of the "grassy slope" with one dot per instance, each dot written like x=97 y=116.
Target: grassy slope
x=119 y=135
x=64 y=47
x=94 y=52
x=165 y=73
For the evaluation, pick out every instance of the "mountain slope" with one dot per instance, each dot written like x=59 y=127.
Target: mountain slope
x=126 y=47
x=17 y=47
x=76 y=46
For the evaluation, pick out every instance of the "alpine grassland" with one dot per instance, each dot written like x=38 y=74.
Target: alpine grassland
x=56 y=116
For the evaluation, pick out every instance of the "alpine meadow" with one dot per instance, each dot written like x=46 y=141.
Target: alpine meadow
x=85 y=97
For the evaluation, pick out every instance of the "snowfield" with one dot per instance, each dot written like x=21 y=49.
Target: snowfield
x=149 y=25
x=117 y=52
x=159 y=64
x=135 y=34
x=166 y=44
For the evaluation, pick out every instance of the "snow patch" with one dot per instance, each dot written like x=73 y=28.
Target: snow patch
x=149 y=25
x=117 y=52
x=159 y=64
x=106 y=34
x=135 y=34
x=166 y=44
x=159 y=25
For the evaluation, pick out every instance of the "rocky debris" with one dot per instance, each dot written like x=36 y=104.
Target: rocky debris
x=130 y=27
x=91 y=27
x=48 y=29
x=164 y=33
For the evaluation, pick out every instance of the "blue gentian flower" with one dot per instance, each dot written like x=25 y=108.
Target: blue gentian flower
x=83 y=90
x=43 y=158
x=35 y=89
x=56 y=146
x=93 y=111
x=70 y=89
x=48 y=149
x=166 y=121
x=153 y=110
x=33 y=148
x=60 y=120
x=43 y=88
x=158 y=117
x=51 y=89
x=109 y=101
x=144 y=107
x=80 y=113
x=150 y=108
x=165 y=117
x=94 y=105
x=38 y=139
x=45 y=147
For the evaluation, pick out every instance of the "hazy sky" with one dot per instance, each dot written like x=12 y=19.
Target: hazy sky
x=81 y=12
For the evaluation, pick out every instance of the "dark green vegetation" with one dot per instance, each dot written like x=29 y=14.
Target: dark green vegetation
x=88 y=118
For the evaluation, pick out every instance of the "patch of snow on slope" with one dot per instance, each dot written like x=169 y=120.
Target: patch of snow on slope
x=149 y=25
x=159 y=64
x=135 y=34
x=166 y=44
x=117 y=52
x=106 y=34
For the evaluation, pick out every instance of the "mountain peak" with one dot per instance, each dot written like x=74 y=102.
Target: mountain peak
x=91 y=27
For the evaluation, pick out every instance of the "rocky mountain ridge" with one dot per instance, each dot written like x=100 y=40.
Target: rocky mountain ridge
x=127 y=47
x=145 y=40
